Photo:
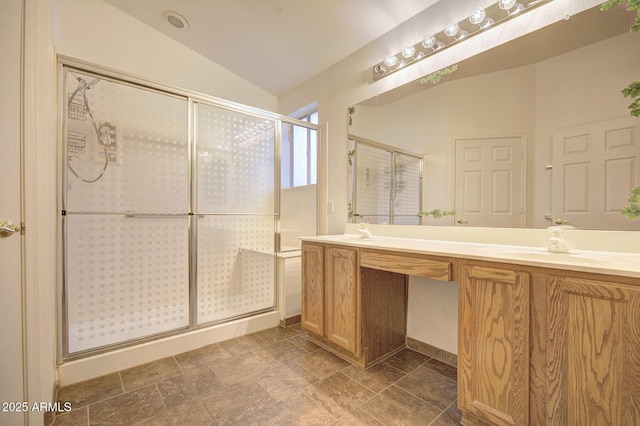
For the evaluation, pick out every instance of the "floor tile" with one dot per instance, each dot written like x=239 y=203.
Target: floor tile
x=243 y=344
x=377 y=378
x=338 y=394
x=127 y=409
x=194 y=385
x=276 y=334
x=286 y=383
x=202 y=356
x=442 y=368
x=276 y=377
x=90 y=391
x=152 y=372
x=306 y=412
x=450 y=417
x=357 y=417
x=284 y=351
x=188 y=414
x=238 y=402
x=397 y=407
x=305 y=343
x=430 y=386
x=407 y=360
x=79 y=417
x=322 y=363
x=239 y=367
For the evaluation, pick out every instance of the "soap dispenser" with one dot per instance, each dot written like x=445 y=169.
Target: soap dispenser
x=557 y=243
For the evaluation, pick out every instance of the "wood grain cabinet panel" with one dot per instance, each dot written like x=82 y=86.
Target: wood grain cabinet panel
x=493 y=345
x=342 y=316
x=312 y=306
x=593 y=357
x=408 y=265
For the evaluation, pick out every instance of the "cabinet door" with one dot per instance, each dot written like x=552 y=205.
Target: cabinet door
x=493 y=346
x=594 y=353
x=312 y=311
x=342 y=298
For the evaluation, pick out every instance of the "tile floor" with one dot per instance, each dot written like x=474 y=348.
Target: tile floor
x=273 y=377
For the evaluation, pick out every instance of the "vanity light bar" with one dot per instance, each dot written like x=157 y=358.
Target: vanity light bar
x=479 y=20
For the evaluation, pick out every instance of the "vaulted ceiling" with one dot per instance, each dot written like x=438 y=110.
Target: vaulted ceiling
x=275 y=44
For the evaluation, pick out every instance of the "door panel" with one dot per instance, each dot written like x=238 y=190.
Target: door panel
x=11 y=365
x=595 y=166
x=488 y=181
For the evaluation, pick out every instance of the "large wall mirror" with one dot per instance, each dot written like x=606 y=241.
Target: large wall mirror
x=526 y=134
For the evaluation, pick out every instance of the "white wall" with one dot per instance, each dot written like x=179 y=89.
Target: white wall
x=94 y=31
x=297 y=215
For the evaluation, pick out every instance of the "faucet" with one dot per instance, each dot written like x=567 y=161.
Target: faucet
x=557 y=243
x=363 y=231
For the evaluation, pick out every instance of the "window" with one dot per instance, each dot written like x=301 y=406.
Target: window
x=299 y=153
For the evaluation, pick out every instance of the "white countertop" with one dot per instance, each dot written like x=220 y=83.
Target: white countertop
x=601 y=262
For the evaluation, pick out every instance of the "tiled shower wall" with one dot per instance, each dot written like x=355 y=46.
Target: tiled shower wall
x=144 y=241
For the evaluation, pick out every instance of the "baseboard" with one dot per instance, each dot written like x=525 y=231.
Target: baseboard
x=290 y=321
x=433 y=352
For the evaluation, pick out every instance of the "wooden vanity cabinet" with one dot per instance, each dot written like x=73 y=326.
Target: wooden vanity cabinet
x=342 y=298
x=493 y=344
x=593 y=356
x=355 y=311
x=536 y=345
x=312 y=304
x=330 y=295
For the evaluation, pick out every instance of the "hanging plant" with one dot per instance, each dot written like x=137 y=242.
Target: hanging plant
x=351 y=110
x=437 y=213
x=632 y=90
x=435 y=77
x=350 y=155
x=632 y=211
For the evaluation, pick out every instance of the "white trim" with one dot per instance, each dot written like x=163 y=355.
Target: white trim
x=38 y=204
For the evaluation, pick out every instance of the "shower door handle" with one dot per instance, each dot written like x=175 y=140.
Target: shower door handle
x=7 y=228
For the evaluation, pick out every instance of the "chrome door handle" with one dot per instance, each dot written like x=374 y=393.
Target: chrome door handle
x=460 y=220
x=7 y=228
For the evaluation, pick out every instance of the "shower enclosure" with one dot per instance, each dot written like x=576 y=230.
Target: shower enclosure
x=169 y=210
x=385 y=184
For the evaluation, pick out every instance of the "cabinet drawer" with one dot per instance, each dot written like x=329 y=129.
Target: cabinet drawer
x=403 y=264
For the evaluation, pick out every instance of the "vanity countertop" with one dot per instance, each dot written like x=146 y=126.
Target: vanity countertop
x=601 y=262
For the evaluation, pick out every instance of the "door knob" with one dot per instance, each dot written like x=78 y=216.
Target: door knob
x=460 y=220
x=7 y=228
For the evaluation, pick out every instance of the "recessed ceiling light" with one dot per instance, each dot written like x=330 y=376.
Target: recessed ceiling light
x=175 y=19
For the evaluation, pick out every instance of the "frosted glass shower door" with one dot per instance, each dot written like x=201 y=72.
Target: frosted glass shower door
x=407 y=176
x=373 y=184
x=125 y=212
x=234 y=214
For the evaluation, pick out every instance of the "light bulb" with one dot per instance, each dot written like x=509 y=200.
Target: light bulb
x=479 y=17
x=409 y=52
x=430 y=42
x=391 y=61
x=511 y=6
x=453 y=30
